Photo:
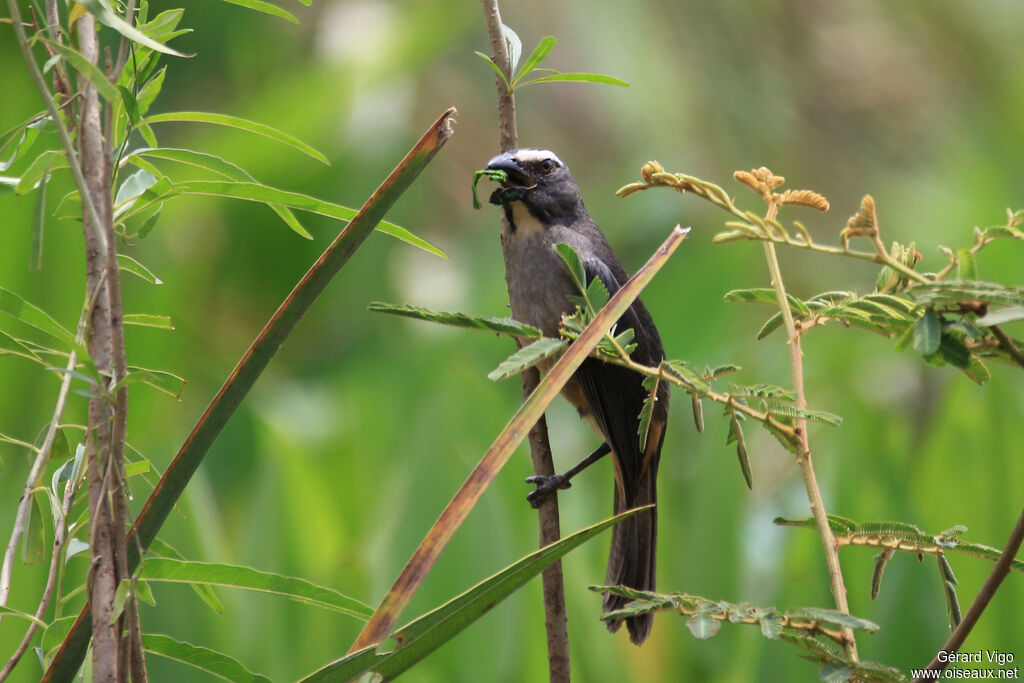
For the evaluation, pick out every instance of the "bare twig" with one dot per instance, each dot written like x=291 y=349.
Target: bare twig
x=803 y=460
x=58 y=543
x=981 y=600
x=1007 y=345
x=555 y=619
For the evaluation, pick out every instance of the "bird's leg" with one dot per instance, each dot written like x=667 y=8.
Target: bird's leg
x=547 y=485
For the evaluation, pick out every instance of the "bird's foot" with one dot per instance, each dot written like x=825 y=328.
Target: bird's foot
x=545 y=487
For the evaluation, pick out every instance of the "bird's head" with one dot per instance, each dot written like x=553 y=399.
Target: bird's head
x=539 y=179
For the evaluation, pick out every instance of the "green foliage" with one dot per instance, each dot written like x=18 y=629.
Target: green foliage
x=533 y=64
x=420 y=637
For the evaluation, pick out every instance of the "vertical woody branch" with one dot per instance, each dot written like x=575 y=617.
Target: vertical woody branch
x=540 y=448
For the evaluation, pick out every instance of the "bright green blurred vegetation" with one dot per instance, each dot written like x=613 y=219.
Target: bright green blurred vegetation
x=365 y=425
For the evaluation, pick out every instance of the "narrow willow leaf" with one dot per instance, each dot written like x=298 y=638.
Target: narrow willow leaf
x=14 y=306
x=90 y=71
x=33 y=541
x=158 y=379
x=927 y=333
x=47 y=161
x=133 y=186
x=129 y=265
x=494 y=66
x=178 y=571
x=162 y=549
x=702 y=625
x=241 y=124
x=108 y=17
x=579 y=78
x=526 y=357
x=266 y=8
x=161 y=322
x=55 y=634
x=575 y=267
x=204 y=659
x=538 y=56
x=121 y=595
x=419 y=638
x=506 y=326
x=515 y=47
x=35 y=261
x=881 y=559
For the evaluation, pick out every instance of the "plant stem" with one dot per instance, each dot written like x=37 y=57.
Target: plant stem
x=555 y=619
x=981 y=600
x=803 y=460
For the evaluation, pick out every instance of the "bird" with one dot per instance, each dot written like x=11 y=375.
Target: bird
x=543 y=207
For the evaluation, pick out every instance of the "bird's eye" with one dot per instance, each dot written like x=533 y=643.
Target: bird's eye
x=547 y=166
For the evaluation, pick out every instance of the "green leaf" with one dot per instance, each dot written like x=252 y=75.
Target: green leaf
x=55 y=633
x=698 y=412
x=647 y=411
x=494 y=66
x=129 y=265
x=300 y=590
x=515 y=47
x=764 y=295
x=538 y=56
x=419 y=638
x=701 y=623
x=35 y=261
x=771 y=624
x=927 y=333
x=106 y=16
x=955 y=352
x=736 y=435
x=132 y=188
x=161 y=322
x=33 y=542
x=968 y=268
x=572 y=262
x=999 y=317
x=49 y=160
x=773 y=323
x=158 y=379
x=835 y=672
x=121 y=595
x=83 y=66
x=579 y=78
x=526 y=357
x=266 y=8
x=954 y=292
x=13 y=305
x=204 y=659
x=835 y=618
x=240 y=124
x=475 y=322
x=271 y=195
x=205 y=592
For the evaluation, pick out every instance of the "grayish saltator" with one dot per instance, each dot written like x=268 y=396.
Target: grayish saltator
x=543 y=206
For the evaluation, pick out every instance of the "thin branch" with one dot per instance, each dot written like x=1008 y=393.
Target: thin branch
x=88 y=206
x=553 y=588
x=42 y=458
x=981 y=600
x=803 y=460
x=1007 y=345
x=60 y=535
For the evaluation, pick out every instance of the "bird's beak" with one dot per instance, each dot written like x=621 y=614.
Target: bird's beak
x=518 y=181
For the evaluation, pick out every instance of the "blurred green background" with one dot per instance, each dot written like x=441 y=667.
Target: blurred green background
x=365 y=425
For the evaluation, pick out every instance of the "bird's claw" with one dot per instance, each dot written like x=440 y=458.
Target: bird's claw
x=545 y=487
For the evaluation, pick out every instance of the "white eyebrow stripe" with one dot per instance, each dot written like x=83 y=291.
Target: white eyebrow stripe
x=532 y=155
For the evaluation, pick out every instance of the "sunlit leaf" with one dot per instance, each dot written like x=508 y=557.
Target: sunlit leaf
x=266 y=8
x=538 y=56
x=1001 y=316
x=515 y=47
x=92 y=73
x=579 y=78
x=161 y=322
x=129 y=265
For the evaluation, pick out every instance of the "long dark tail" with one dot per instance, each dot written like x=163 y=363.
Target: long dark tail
x=634 y=545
